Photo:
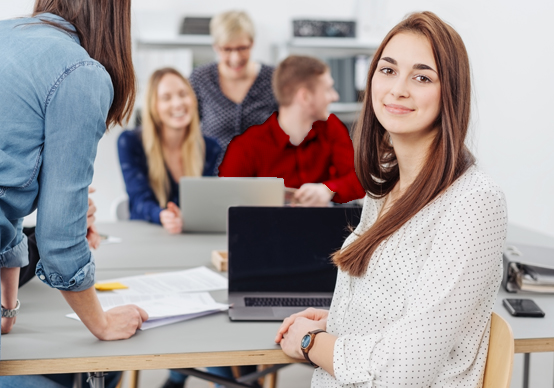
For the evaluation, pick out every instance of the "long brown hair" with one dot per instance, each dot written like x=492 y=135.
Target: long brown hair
x=447 y=158
x=193 y=149
x=104 y=29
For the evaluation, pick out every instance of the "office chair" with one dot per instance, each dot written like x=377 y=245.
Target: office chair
x=500 y=358
x=120 y=208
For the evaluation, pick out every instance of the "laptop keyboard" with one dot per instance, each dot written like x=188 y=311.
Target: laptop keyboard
x=287 y=302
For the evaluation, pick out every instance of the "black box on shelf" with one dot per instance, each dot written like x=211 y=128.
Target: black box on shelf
x=195 y=26
x=324 y=28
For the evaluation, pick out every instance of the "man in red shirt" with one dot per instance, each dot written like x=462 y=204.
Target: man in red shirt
x=310 y=149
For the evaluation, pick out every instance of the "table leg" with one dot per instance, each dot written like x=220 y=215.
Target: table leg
x=526 y=362
x=77 y=380
x=96 y=379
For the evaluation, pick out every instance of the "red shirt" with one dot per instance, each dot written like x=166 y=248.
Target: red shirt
x=325 y=156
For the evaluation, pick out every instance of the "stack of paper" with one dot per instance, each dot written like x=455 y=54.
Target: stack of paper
x=535 y=279
x=167 y=297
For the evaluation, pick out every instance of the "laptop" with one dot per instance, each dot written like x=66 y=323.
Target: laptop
x=279 y=258
x=204 y=200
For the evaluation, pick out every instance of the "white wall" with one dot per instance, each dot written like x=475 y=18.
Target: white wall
x=510 y=45
x=511 y=49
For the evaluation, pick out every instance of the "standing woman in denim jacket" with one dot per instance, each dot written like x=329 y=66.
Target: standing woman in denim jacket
x=65 y=76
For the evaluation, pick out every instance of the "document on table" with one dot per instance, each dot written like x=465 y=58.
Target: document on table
x=105 y=239
x=164 y=309
x=190 y=280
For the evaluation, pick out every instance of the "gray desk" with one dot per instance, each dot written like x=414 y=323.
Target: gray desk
x=147 y=246
x=45 y=341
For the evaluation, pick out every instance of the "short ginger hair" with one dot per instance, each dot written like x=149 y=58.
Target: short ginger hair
x=293 y=73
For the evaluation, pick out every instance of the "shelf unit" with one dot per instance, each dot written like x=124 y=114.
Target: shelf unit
x=179 y=40
x=324 y=47
x=200 y=45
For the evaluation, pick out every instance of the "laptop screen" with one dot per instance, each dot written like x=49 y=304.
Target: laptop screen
x=286 y=249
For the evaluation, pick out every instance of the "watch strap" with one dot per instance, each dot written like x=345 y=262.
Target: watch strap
x=10 y=313
x=306 y=350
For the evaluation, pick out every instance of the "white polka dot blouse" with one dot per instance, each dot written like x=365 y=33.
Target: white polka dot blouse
x=420 y=315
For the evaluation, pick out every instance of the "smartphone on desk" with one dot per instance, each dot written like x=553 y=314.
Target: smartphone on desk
x=523 y=308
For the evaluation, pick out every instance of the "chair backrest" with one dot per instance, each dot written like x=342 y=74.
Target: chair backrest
x=500 y=358
x=120 y=208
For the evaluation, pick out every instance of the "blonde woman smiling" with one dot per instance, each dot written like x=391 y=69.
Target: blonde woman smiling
x=234 y=93
x=167 y=147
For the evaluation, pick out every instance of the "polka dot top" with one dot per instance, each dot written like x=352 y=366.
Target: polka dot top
x=420 y=316
x=223 y=119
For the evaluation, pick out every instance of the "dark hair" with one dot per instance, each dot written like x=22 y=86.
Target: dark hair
x=294 y=72
x=104 y=29
x=447 y=158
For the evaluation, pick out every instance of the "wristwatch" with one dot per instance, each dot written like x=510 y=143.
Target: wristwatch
x=307 y=343
x=10 y=313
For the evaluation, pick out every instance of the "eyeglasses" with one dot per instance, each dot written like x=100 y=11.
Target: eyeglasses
x=240 y=49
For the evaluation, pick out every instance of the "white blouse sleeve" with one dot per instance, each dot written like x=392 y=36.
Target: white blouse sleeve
x=448 y=308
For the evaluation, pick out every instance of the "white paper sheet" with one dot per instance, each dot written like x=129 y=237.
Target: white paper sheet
x=106 y=240
x=151 y=323
x=190 y=280
x=164 y=309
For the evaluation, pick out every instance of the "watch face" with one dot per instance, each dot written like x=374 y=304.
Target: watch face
x=305 y=341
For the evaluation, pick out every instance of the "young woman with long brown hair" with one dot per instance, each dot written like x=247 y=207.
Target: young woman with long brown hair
x=168 y=146
x=66 y=76
x=419 y=275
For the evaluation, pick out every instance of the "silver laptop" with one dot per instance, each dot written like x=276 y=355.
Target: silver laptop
x=204 y=201
x=279 y=259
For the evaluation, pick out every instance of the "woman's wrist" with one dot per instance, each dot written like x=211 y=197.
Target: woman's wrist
x=9 y=305
x=9 y=279
x=322 y=351
x=87 y=306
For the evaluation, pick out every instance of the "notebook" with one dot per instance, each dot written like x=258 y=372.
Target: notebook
x=279 y=258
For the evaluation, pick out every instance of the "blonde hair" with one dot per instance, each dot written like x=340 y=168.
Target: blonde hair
x=193 y=149
x=228 y=25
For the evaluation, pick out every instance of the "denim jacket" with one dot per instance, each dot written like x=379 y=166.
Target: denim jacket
x=54 y=100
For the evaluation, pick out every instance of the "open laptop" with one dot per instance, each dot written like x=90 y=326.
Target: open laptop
x=204 y=200
x=279 y=258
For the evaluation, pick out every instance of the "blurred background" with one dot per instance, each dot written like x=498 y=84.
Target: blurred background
x=510 y=43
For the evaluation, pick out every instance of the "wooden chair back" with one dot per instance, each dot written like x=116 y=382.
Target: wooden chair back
x=500 y=358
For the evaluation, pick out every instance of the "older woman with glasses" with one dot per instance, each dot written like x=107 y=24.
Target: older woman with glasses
x=235 y=92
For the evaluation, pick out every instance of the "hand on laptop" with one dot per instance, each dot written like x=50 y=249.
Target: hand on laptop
x=313 y=194
x=318 y=316
x=171 y=218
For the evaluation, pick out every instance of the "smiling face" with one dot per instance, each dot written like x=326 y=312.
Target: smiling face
x=175 y=102
x=405 y=86
x=234 y=55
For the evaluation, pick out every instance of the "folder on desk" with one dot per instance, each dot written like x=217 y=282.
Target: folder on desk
x=528 y=268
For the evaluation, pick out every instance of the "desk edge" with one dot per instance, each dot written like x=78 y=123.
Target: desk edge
x=143 y=362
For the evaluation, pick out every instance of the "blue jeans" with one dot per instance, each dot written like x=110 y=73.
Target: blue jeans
x=223 y=371
x=54 y=381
